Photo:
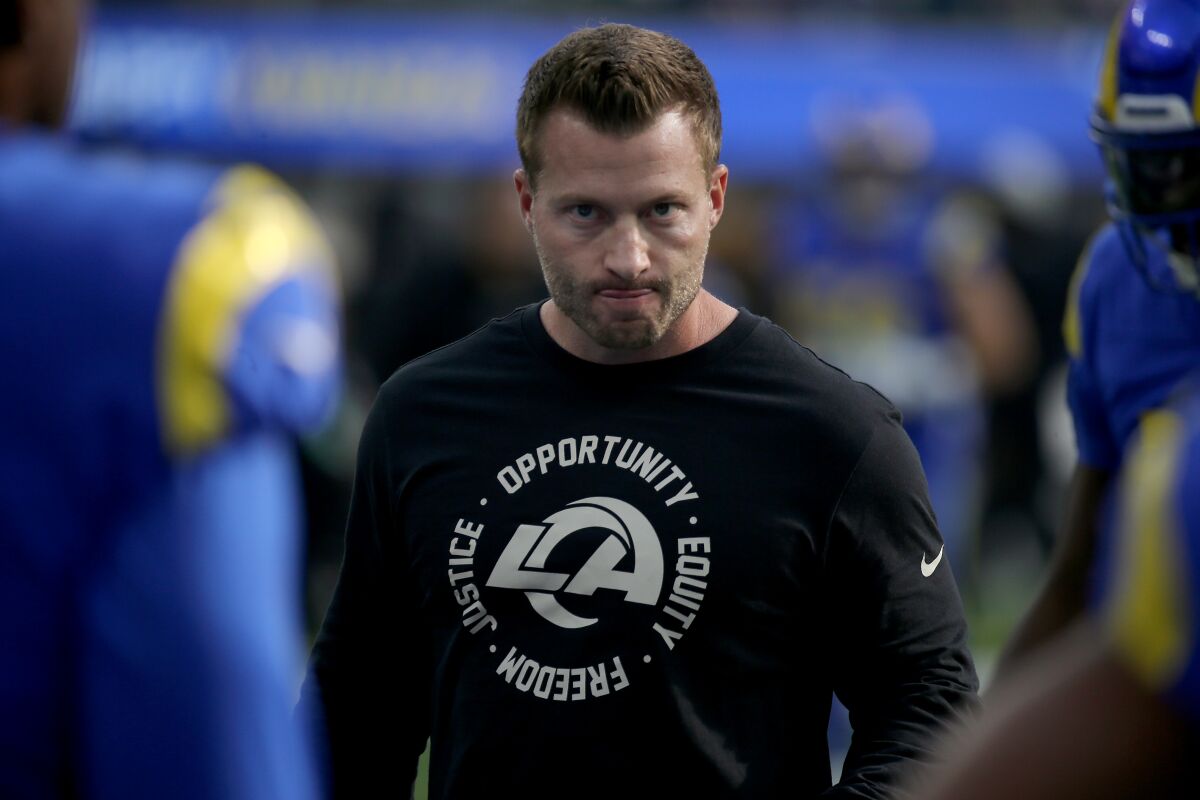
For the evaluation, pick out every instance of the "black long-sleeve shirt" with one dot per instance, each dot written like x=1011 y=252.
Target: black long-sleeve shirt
x=585 y=580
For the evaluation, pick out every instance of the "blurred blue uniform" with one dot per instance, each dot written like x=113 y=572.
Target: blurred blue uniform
x=1129 y=346
x=165 y=327
x=1152 y=596
x=870 y=299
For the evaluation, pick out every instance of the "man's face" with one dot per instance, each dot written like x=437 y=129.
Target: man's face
x=621 y=225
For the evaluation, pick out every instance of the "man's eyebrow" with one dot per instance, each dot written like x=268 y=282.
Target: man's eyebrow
x=669 y=196
x=575 y=198
x=572 y=197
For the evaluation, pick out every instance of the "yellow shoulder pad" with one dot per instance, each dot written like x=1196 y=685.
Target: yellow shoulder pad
x=256 y=234
x=1072 y=325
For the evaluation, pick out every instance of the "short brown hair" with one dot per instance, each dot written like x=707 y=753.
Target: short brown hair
x=620 y=78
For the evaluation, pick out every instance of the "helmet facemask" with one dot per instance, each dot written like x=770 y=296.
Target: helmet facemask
x=1153 y=195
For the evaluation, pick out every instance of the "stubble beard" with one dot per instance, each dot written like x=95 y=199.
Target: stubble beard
x=574 y=298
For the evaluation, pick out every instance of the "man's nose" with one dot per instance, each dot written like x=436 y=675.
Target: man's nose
x=628 y=254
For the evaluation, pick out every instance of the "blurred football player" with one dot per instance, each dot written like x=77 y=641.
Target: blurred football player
x=902 y=285
x=1132 y=325
x=903 y=288
x=165 y=329
x=1112 y=708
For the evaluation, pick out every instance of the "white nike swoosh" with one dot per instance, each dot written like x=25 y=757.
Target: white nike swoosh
x=927 y=567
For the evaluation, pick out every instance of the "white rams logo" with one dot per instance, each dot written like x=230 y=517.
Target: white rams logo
x=580 y=566
x=522 y=565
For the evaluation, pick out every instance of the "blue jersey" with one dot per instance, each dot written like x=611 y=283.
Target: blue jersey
x=869 y=295
x=164 y=327
x=1152 y=594
x=1129 y=345
x=865 y=294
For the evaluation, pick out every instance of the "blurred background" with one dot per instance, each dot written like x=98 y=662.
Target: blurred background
x=911 y=185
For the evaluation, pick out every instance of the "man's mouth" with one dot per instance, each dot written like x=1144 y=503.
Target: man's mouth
x=624 y=294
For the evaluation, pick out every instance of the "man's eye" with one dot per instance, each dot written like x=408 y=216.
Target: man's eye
x=584 y=211
x=663 y=209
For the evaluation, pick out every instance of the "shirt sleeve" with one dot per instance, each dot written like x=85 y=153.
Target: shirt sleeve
x=1150 y=602
x=368 y=683
x=899 y=635
x=1094 y=440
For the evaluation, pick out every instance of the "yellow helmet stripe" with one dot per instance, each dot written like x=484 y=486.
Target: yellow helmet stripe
x=1196 y=99
x=1107 y=101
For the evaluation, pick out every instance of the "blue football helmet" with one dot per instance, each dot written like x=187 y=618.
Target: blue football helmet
x=1147 y=124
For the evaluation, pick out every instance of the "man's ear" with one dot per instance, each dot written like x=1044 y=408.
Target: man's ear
x=716 y=194
x=524 y=197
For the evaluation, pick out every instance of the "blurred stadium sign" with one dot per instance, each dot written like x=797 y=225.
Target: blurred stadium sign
x=404 y=92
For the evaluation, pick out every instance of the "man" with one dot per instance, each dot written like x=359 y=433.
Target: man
x=165 y=328
x=1132 y=326
x=629 y=540
x=1112 y=709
